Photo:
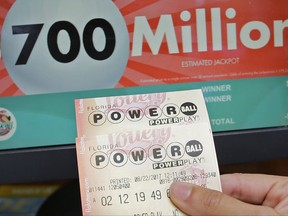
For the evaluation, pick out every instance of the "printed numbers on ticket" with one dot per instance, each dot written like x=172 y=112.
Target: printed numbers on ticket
x=130 y=172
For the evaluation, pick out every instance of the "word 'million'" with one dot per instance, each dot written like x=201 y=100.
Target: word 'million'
x=166 y=30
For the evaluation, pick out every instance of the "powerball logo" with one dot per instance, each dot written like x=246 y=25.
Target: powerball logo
x=156 y=115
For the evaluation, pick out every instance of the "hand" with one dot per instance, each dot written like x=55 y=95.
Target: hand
x=243 y=194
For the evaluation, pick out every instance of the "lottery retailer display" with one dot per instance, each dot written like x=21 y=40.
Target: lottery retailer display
x=55 y=51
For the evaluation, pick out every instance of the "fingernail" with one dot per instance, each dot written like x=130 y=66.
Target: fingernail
x=180 y=190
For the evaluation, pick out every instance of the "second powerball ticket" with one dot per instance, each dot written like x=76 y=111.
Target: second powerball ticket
x=130 y=172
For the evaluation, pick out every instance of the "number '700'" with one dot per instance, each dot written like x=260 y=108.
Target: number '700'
x=34 y=30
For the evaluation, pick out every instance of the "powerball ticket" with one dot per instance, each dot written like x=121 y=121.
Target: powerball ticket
x=130 y=172
x=118 y=113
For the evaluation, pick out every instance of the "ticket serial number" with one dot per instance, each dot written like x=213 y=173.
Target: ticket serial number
x=164 y=178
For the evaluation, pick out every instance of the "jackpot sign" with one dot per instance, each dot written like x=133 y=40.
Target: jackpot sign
x=63 y=45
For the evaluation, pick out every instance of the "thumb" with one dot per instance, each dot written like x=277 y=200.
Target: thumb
x=196 y=200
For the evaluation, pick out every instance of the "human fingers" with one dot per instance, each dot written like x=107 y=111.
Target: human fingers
x=196 y=200
x=267 y=190
x=252 y=188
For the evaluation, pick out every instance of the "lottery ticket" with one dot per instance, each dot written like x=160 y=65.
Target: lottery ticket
x=130 y=148
x=129 y=172
x=117 y=113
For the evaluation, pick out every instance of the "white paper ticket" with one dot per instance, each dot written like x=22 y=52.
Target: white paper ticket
x=129 y=173
x=130 y=148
